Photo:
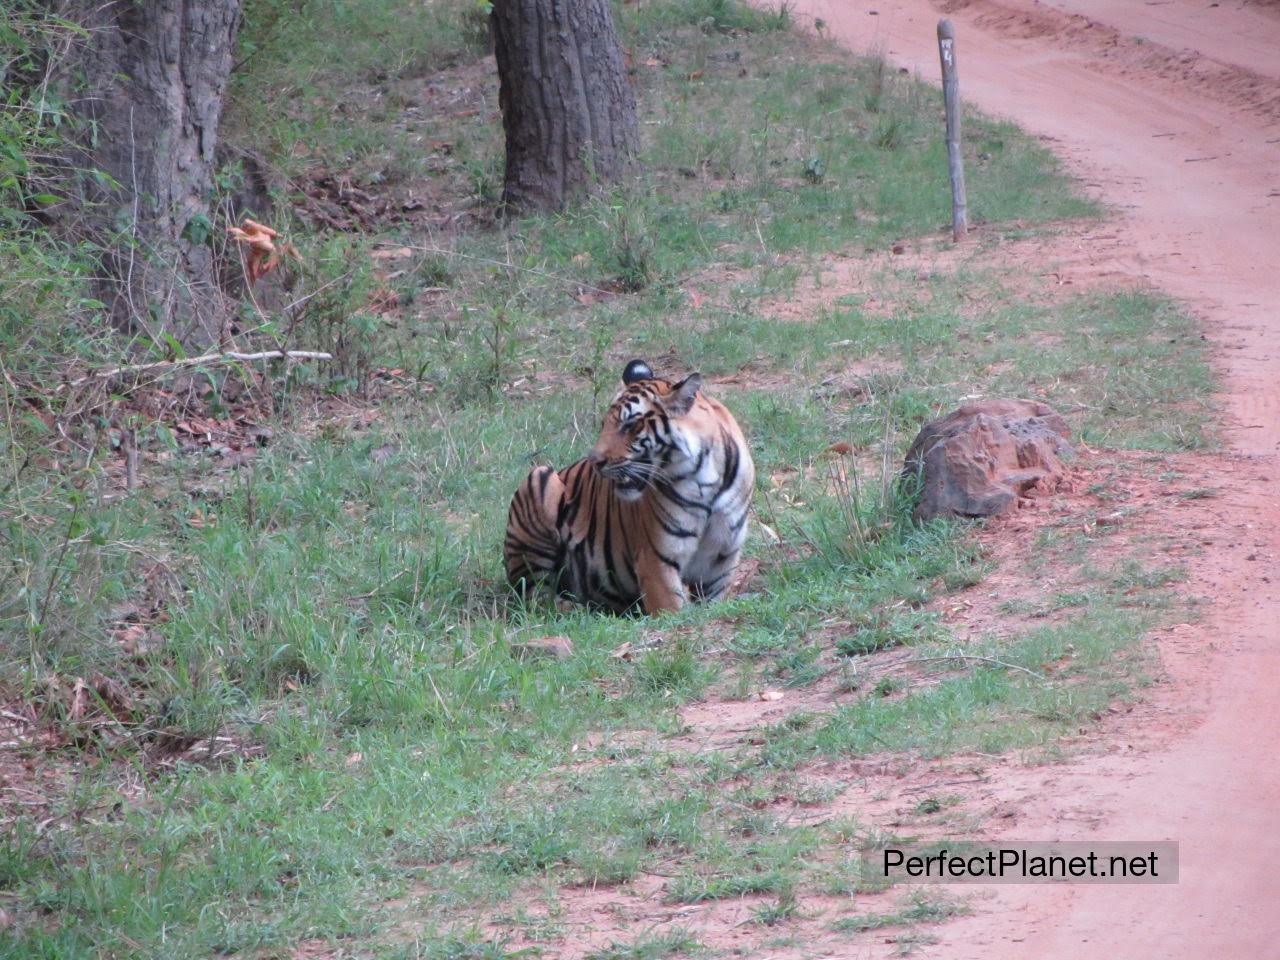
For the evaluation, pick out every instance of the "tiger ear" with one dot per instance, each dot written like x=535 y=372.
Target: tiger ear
x=680 y=400
x=636 y=371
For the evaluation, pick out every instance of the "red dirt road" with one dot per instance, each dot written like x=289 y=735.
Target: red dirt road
x=1170 y=111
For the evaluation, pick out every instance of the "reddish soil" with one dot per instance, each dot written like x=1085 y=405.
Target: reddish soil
x=1170 y=111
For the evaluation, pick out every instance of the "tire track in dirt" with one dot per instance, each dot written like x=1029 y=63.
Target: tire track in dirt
x=1185 y=144
x=1124 y=54
x=1243 y=39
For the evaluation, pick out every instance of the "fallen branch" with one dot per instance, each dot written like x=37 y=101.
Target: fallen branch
x=229 y=357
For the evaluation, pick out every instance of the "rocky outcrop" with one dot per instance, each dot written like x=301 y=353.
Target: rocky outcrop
x=979 y=460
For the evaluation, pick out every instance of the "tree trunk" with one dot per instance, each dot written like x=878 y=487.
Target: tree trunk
x=567 y=106
x=149 y=80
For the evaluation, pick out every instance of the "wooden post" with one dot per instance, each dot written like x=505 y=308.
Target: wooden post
x=951 y=97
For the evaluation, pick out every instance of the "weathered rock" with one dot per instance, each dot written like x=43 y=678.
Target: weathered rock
x=980 y=459
x=555 y=648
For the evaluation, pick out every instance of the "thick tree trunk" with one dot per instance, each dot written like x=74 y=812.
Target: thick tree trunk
x=567 y=106
x=149 y=81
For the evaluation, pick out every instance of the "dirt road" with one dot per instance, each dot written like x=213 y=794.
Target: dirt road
x=1170 y=111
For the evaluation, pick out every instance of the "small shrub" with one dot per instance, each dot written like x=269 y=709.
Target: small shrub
x=339 y=316
x=627 y=259
x=888 y=133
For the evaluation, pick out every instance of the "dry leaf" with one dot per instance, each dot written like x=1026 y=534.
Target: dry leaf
x=841 y=448
x=354 y=758
x=200 y=520
x=747 y=570
x=113 y=695
x=263 y=255
x=623 y=652
x=770 y=695
x=392 y=253
x=383 y=300
x=137 y=640
x=79 y=705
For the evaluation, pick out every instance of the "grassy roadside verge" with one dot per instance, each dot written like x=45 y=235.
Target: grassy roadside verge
x=394 y=782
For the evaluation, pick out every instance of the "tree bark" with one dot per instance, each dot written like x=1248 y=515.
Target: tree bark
x=567 y=106
x=148 y=82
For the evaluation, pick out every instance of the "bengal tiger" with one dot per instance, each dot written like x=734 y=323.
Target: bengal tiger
x=654 y=515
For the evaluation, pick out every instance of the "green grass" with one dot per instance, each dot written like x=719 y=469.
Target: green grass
x=725 y=156
x=657 y=947
x=338 y=609
x=989 y=707
x=916 y=908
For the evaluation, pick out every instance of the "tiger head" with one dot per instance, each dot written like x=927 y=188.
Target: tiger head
x=641 y=437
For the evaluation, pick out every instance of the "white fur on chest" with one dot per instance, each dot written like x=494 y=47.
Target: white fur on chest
x=718 y=523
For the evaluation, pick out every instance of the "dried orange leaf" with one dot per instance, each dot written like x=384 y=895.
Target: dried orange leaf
x=261 y=255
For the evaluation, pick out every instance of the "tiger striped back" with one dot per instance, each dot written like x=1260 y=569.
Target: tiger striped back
x=654 y=515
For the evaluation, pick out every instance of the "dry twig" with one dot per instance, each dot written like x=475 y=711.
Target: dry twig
x=969 y=656
x=230 y=356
